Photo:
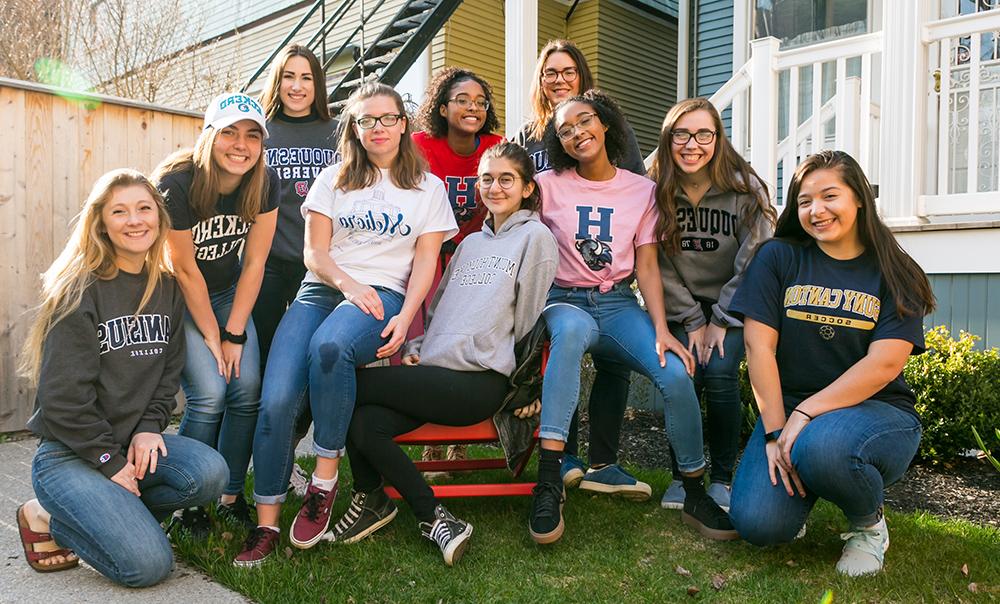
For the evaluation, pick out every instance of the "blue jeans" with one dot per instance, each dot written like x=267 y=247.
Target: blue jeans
x=847 y=457
x=320 y=342
x=719 y=382
x=111 y=529
x=613 y=325
x=218 y=414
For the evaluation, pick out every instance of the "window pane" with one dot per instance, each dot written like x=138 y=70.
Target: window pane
x=802 y=22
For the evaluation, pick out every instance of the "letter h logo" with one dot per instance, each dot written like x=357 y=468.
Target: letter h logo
x=587 y=220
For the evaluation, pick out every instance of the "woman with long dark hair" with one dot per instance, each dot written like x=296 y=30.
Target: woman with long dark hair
x=832 y=309
x=714 y=212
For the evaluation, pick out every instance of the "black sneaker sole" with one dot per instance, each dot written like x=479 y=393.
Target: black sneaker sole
x=365 y=533
x=711 y=533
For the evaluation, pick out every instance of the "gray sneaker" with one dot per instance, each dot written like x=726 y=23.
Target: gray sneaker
x=864 y=551
x=720 y=494
x=673 y=499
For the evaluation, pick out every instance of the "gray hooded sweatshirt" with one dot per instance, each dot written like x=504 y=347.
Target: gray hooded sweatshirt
x=490 y=296
x=716 y=245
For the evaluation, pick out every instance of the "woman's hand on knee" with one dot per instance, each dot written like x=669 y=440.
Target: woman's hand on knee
x=776 y=468
x=395 y=330
x=789 y=433
x=364 y=297
x=144 y=451
x=125 y=478
x=232 y=354
x=715 y=337
x=668 y=343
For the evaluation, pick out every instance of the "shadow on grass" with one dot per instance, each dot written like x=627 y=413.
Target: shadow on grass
x=613 y=551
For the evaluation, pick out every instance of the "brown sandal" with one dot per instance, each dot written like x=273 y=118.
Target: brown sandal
x=34 y=558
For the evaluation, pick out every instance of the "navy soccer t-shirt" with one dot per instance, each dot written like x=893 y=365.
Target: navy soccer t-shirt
x=827 y=312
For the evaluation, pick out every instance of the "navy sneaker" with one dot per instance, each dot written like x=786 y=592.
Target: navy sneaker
x=613 y=480
x=720 y=493
x=673 y=498
x=572 y=470
x=545 y=524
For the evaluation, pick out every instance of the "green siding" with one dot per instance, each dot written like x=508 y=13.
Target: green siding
x=969 y=302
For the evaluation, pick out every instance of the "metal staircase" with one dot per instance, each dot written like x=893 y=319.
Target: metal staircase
x=385 y=58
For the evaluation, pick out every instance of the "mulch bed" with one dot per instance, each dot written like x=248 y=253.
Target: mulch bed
x=968 y=489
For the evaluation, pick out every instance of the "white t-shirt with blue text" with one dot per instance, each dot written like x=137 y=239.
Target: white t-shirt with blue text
x=375 y=229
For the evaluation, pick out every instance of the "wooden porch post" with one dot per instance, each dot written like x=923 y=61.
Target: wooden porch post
x=521 y=49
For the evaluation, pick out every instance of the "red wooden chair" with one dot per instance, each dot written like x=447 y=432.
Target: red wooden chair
x=483 y=432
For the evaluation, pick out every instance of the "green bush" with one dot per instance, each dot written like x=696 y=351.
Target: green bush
x=958 y=389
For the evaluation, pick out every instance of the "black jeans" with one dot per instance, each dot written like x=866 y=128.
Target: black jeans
x=394 y=400
x=608 y=398
x=282 y=279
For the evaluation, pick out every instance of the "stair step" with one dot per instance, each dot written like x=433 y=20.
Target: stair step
x=413 y=21
x=395 y=41
x=369 y=77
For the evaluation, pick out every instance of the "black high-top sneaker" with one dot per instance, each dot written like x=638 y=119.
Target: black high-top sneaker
x=546 y=521
x=703 y=514
x=367 y=513
x=450 y=533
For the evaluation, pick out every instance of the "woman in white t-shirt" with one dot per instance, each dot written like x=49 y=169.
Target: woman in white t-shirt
x=374 y=227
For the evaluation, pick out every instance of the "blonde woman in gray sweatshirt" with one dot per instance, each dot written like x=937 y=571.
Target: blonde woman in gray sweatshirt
x=714 y=212
x=456 y=374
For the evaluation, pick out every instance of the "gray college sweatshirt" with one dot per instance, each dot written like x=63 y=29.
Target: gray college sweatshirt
x=490 y=296
x=107 y=374
x=716 y=246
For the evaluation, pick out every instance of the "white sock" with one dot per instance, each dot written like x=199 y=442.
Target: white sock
x=271 y=528
x=325 y=484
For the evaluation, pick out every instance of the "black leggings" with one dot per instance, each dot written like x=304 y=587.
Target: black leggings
x=394 y=400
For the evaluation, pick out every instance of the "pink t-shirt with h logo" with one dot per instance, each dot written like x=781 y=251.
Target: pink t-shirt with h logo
x=597 y=224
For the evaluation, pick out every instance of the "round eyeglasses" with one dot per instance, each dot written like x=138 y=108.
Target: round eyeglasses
x=568 y=131
x=465 y=102
x=549 y=76
x=505 y=181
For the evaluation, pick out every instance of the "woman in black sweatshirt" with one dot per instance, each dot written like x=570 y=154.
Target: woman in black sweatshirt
x=106 y=352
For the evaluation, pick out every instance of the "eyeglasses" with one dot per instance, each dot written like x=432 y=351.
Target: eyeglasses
x=583 y=122
x=549 y=76
x=702 y=137
x=505 y=181
x=367 y=122
x=465 y=102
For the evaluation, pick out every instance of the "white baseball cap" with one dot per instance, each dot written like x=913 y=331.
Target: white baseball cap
x=231 y=107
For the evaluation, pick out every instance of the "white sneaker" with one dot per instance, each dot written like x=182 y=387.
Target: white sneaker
x=864 y=551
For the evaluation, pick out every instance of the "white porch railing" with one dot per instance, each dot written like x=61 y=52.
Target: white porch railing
x=938 y=150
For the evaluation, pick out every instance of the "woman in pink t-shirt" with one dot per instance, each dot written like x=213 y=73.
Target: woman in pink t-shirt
x=604 y=221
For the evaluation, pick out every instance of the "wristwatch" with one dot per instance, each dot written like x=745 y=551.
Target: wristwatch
x=230 y=337
x=772 y=436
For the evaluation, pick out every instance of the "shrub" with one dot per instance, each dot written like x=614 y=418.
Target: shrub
x=957 y=389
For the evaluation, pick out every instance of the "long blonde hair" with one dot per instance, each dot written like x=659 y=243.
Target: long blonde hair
x=90 y=255
x=541 y=107
x=356 y=171
x=205 y=187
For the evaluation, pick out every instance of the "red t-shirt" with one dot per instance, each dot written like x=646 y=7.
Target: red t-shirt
x=459 y=173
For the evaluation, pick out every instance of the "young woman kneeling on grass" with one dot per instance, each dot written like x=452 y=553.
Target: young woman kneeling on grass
x=833 y=310
x=107 y=350
x=604 y=221
x=374 y=227
x=457 y=373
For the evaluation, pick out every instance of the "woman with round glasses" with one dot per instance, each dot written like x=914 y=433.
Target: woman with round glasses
x=374 y=227
x=500 y=276
x=458 y=119
x=714 y=212
x=604 y=220
x=560 y=73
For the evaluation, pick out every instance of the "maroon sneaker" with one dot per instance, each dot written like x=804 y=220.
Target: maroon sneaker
x=314 y=517
x=260 y=544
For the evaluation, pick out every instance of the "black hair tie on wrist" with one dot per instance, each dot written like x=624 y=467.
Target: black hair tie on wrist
x=797 y=410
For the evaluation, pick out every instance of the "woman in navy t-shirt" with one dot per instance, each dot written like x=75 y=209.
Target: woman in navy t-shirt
x=833 y=309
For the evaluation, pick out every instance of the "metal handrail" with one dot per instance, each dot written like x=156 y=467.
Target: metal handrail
x=291 y=34
x=350 y=38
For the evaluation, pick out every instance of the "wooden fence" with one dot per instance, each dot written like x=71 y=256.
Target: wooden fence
x=53 y=146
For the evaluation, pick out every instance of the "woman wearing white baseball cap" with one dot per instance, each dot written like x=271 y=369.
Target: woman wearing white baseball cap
x=222 y=201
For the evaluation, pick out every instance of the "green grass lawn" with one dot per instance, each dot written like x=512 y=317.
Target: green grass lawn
x=612 y=551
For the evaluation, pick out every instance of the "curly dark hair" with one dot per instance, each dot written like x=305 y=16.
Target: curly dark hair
x=607 y=111
x=429 y=117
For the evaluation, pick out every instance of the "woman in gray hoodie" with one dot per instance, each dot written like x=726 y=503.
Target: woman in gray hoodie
x=457 y=373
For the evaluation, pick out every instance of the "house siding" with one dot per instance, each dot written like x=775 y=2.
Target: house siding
x=712 y=54
x=968 y=302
